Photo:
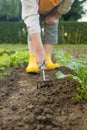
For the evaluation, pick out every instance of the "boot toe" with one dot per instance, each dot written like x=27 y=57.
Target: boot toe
x=32 y=69
x=52 y=66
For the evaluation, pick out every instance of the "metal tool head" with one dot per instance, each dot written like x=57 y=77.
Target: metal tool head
x=44 y=83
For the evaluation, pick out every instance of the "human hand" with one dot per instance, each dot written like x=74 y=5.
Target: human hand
x=52 y=19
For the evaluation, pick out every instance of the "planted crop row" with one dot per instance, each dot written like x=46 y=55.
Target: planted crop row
x=19 y=58
x=79 y=67
x=7 y=51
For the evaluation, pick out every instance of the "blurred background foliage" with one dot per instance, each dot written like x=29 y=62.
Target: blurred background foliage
x=10 y=10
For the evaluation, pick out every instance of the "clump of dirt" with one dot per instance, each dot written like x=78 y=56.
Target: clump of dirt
x=23 y=106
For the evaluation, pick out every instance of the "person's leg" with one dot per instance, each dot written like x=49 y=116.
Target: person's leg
x=37 y=55
x=51 y=38
x=49 y=63
x=39 y=50
x=32 y=65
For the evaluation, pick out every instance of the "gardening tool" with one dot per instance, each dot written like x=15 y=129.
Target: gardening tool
x=45 y=82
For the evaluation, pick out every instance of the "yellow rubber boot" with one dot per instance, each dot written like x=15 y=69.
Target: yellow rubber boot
x=49 y=64
x=32 y=67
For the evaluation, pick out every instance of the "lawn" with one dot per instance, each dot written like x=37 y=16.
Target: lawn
x=77 y=51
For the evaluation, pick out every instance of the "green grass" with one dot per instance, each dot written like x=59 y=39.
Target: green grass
x=76 y=50
x=14 y=47
x=74 y=46
x=62 y=46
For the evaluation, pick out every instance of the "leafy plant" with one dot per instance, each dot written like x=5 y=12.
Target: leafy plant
x=19 y=58
x=80 y=67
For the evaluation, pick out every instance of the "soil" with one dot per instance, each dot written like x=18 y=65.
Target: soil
x=23 y=106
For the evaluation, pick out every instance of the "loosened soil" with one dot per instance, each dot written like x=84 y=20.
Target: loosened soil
x=23 y=106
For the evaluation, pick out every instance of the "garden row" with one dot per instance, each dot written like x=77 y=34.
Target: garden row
x=20 y=59
x=79 y=67
x=69 y=32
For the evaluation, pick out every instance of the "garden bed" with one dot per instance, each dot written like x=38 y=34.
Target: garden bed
x=24 y=107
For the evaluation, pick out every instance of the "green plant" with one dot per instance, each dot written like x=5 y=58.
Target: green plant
x=19 y=58
x=80 y=68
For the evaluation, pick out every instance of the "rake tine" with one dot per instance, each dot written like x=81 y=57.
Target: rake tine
x=41 y=84
x=45 y=83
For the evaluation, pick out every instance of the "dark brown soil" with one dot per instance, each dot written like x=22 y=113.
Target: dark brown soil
x=23 y=106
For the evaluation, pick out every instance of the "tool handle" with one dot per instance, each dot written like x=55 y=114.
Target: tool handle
x=43 y=66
